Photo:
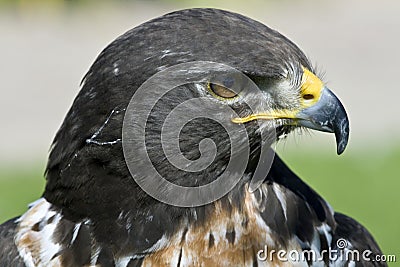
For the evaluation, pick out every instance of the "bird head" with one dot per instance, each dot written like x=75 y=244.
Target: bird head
x=267 y=87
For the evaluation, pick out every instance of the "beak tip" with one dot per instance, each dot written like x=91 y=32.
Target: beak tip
x=341 y=146
x=340 y=149
x=342 y=137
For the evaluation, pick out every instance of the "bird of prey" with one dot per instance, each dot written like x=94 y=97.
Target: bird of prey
x=93 y=213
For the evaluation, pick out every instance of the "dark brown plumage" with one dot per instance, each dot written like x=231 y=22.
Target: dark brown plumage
x=94 y=213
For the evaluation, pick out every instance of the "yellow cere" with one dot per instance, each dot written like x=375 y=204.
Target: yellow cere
x=310 y=90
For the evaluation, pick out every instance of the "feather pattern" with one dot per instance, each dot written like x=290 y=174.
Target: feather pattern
x=231 y=232
x=93 y=213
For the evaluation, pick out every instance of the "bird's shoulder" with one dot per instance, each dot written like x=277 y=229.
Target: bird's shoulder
x=283 y=214
x=355 y=242
x=8 y=251
x=228 y=232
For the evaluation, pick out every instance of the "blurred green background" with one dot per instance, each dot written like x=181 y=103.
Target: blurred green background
x=47 y=46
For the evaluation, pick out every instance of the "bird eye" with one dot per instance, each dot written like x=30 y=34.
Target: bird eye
x=221 y=91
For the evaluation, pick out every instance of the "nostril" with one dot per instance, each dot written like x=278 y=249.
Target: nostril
x=308 y=96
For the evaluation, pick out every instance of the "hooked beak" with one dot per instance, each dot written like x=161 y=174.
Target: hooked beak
x=327 y=115
x=320 y=110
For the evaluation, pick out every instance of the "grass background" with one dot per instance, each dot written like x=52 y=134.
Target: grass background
x=363 y=184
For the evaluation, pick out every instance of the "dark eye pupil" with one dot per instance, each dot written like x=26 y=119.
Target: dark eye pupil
x=222 y=91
